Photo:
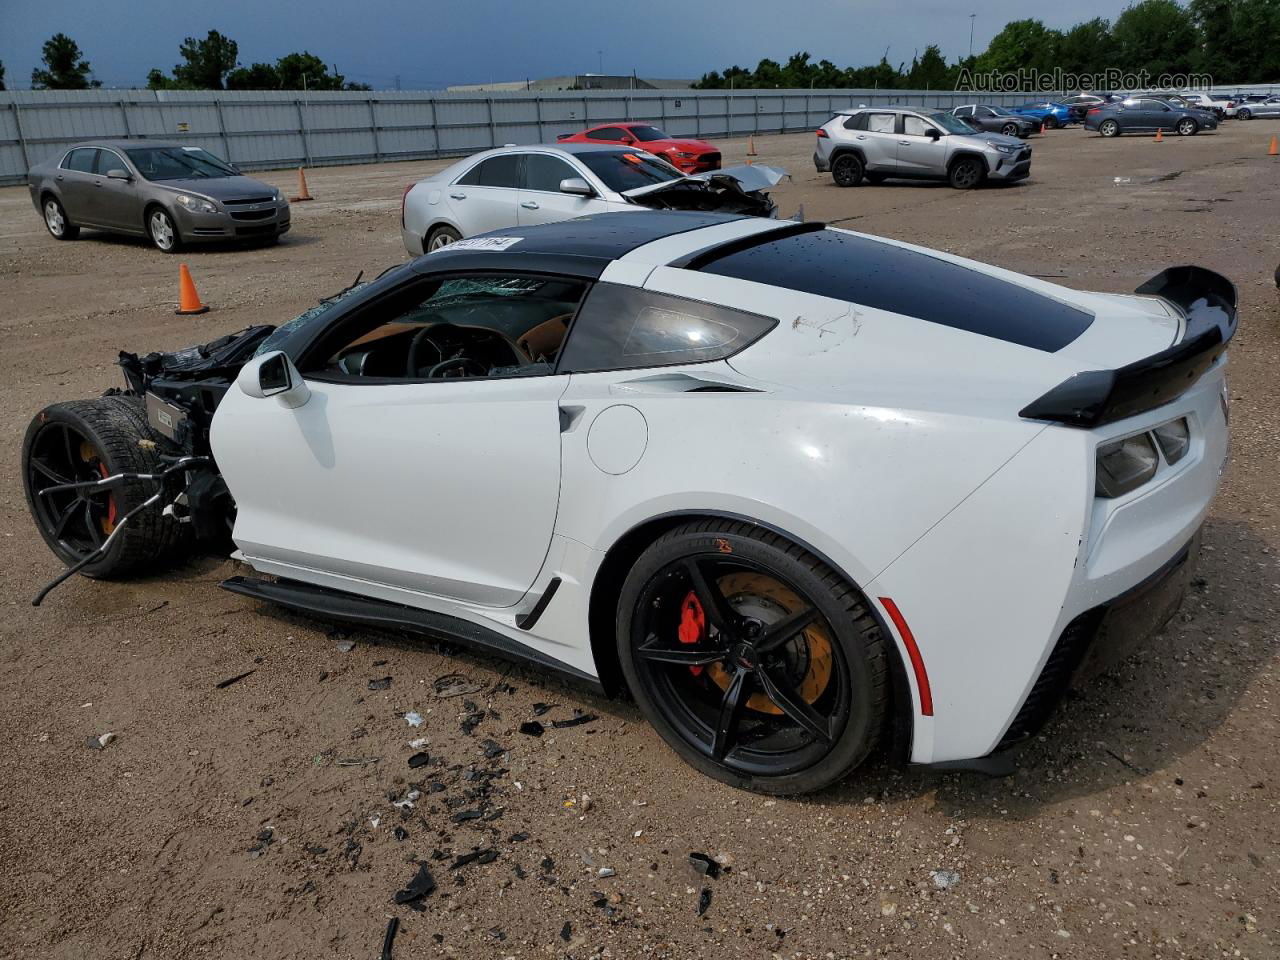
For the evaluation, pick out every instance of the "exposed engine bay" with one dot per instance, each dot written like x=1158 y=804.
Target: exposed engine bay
x=740 y=189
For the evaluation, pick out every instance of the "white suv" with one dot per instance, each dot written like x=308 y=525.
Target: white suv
x=877 y=143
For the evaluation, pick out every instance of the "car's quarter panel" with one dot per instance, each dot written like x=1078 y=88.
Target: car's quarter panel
x=444 y=488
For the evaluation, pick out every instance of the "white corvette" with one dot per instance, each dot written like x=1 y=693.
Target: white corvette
x=799 y=491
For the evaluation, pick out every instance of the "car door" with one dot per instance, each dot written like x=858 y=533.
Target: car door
x=986 y=118
x=401 y=486
x=76 y=177
x=117 y=201
x=918 y=153
x=486 y=197
x=1268 y=108
x=876 y=135
x=541 y=200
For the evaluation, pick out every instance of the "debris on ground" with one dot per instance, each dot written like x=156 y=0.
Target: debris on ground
x=945 y=879
x=420 y=759
x=483 y=855
x=540 y=708
x=264 y=839
x=576 y=720
x=382 y=683
x=413 y=718
x=566 y=932
x=456 y=685
x=100 y=742
x=704 y=900
x=418 y=887
x=355 y=761
x=493 y=749
x=346 y=646
x=704 y=865
x=223 y=684
x=389 y=938
x=531 y=728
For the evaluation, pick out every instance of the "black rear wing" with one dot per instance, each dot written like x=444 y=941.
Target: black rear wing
x=1207 y=300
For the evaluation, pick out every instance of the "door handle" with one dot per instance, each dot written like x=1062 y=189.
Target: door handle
x=60 y=177
x=861 y=136
x=904 y=143
x=458 y=196
x=529 y=205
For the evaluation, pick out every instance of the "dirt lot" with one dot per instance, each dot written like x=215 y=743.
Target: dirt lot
x=233 y=822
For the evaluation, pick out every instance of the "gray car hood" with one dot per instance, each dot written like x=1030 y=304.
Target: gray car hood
x=219 y=188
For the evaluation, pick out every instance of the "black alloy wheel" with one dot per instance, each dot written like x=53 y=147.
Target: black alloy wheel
x=755 y=662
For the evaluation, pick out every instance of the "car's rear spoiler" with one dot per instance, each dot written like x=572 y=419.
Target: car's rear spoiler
x=1207 y=300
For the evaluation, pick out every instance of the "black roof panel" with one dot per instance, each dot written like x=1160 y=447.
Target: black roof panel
x=876 y=274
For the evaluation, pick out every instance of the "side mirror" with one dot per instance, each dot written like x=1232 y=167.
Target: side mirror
x=273 y=375
x=933 y=133
x=115 y=173
x=576 y=186
x=629 y=141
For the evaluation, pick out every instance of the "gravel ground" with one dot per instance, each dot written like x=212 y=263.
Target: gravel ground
x=259 y=819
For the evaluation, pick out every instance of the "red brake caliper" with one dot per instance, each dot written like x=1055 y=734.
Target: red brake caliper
x=693 y=624
x=111 y=502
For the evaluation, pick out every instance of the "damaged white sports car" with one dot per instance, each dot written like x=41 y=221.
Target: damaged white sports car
x=799 y=491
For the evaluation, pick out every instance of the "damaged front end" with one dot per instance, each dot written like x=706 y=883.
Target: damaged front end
x=740 y=190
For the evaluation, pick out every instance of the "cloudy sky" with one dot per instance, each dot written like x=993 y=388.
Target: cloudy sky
x=433 y=43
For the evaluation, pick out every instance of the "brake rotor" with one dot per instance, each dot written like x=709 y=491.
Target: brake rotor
x=767 y=600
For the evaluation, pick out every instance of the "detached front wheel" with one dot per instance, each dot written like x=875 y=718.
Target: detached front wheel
x=88 y=440
x=756 y=662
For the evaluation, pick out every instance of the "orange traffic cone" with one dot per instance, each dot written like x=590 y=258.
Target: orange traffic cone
x=1275 y=147
x=1042 y=129
x=302 y=188
x=751 y=146
x=1159 y=134
x=188 y=299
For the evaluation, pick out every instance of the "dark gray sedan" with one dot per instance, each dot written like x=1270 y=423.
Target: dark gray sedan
x=983 y=116
x=1147 y=115
x=168 y=192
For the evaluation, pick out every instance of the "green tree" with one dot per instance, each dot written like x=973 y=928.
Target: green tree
x=259 y=76
x=1 y=74
x=1156 y=36
x=1087 y=48
x=929 y=71
x=1238 y=39
x=205 y=65
x=64 y=68
x=1021 y=45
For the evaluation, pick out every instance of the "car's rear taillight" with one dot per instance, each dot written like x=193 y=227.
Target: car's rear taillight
x=822 y=134
x=1095 y=110
x=403 y=197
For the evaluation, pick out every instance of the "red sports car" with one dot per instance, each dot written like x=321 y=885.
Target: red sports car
x=689 y=156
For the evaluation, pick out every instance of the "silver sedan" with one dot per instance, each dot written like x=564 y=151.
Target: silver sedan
x=1269 y=108
x=170 y=193
x=521 y=186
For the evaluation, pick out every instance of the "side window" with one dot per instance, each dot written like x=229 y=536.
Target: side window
x=500 y=171
x=110 y=160
x=609 y=133
x=502 y=325
x=623 y=328
x=544 y=172
x=84 y=160
x=857 y=122
x=983 y=112
x=964 y=111
x=914 y=126
x=882 y=122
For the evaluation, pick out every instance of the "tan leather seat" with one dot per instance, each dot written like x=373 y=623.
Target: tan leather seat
x=542 y=343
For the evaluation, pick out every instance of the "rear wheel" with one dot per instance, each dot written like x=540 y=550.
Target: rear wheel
x=756 y=662
x=441 y=237
x=88 y=440
x=1109 y=128
x=1187 y=127
x=1051 y=122
x=847 y=170
x=966 y=173
x=1244 y=113
x=57 y=222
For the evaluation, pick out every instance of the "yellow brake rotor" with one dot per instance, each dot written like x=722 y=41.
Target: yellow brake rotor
x=816 y=677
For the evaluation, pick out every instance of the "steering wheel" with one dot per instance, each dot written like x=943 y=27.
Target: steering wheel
x=426 y=335
x=465 y=366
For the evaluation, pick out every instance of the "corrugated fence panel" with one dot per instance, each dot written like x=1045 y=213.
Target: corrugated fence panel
x=270 y=128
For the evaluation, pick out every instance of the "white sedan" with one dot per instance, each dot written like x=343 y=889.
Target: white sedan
x=794 y=488
x=523 y=186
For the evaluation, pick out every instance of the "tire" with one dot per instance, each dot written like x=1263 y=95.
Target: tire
x=1187 y=127
x=56 y=220
x=83 y=440
x=790 y=719
x=875 y=179
x=966 y=173
x=440 y=237
x=1010 y=130
x=1051 y=122
x=1244 y=113
x=162 y=230
x=1109 y=128
x=847 y=170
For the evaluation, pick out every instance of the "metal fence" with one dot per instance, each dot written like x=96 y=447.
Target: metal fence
x=273 y=129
